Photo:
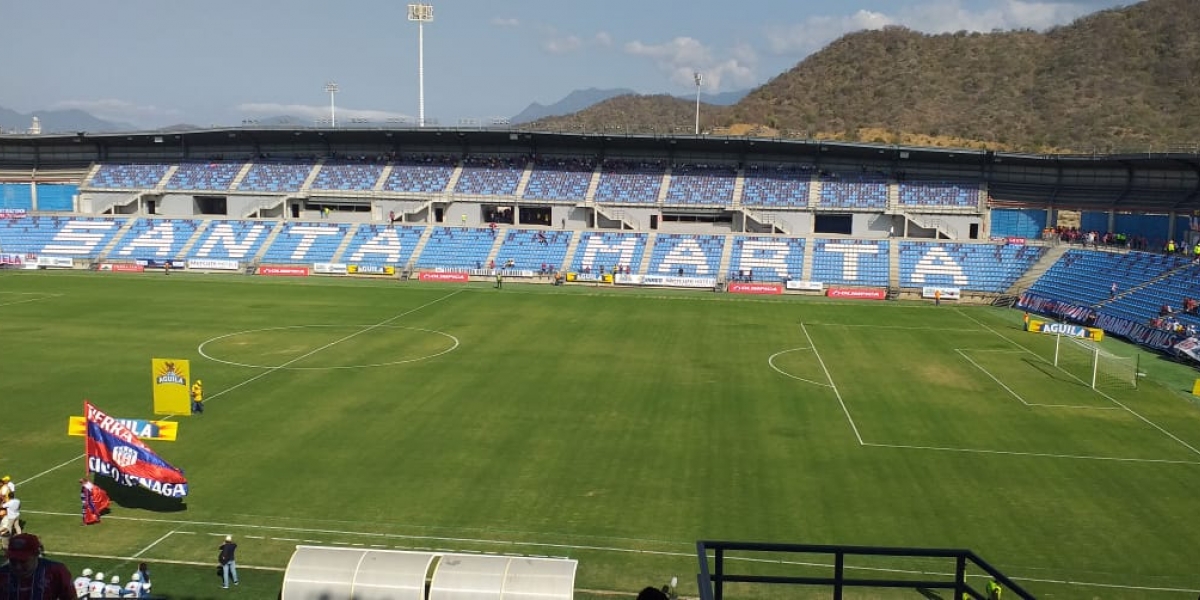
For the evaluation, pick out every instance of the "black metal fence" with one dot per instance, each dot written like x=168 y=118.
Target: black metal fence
x=953 y=576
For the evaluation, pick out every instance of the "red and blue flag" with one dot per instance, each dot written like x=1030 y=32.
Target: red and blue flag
x=114 y=451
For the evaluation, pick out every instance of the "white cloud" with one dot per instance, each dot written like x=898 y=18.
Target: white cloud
x=505 y=22
x=682 y=57
x=603 y=38
x=310 y=111
x=111 y=109
x=931 y=16
x=562 y=44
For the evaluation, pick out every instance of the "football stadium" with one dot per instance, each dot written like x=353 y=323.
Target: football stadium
x=454 y=363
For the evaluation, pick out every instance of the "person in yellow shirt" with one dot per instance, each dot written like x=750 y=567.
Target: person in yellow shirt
x=198 y=397
x=994 y=590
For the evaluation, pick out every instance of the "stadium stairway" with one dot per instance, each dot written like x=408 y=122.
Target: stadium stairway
x=665 y=188
x=501 y=234
x=266 y=245
x=116 y=238
x=186 y=250
x=806 y=267
x=648 y=252
x=1039 y=268
x=341 y=249
x=162 y=183
x=312 y=176
x=572 y=246
x=814 y=190
x=420 y=247
x=455 y=175
x=237 y=179
x=523 y=182
x=739 y=187
x=383 y=177
x=893 y=267
x=589 y=198
x=726 y=259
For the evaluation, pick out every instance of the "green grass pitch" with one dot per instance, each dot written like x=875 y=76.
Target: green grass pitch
x=615 y=427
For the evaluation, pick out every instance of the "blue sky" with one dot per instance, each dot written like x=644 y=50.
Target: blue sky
x=204 y=62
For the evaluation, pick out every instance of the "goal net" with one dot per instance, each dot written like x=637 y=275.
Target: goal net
x=1094 y=366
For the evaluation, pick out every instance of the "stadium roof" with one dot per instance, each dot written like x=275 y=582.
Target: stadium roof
x=1123 y=182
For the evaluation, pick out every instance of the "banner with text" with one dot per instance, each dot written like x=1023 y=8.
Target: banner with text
x=857 y=293
x=755 y=288
x=114 y=451
x=159 y=431
x=170 y=378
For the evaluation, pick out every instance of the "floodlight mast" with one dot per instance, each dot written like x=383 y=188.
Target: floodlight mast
x=699 y=80
x=422 y=14
x=332 y=88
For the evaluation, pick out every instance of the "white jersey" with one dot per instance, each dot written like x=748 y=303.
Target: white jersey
x=133 y=589
x=112 y=590
x=81 y=586
x=96 y=589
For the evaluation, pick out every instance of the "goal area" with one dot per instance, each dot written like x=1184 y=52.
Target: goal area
x=1094 y=366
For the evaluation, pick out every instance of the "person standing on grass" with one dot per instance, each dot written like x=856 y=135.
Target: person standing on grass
x=198 y=397
x=499 y=280
x=228 y=560
x=28 y=576
x=937 y=297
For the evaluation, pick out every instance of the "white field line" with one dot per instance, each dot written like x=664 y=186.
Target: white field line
x=813 y=345
x=671 y=553
x=277 y=368
x=154 y=543
x=40 y=297
x=771 y=363
x=963 y=353
x=1036 y=454
x=1110 y=398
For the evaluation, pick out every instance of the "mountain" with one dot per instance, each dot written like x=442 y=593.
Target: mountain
x=573 y=102
x=1117 y=79
x=59 y=121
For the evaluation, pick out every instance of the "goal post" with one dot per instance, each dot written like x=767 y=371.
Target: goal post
x=1091 y=364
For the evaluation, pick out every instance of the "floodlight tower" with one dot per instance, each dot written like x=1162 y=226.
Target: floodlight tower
x=422 y=14
x=699 y=80
x=332 y=88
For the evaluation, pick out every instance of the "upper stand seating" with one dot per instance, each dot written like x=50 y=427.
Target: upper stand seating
x=204 y=175
x=490 y=176
x=862 y=190
x=688 y=255
x=348 y=175
x=306 y=243
x=268 y=176
x=231 y=240
x=695 y=184
x=456 y=248
x=630 y=182
x=991 y=268
x=939 y=194
x=382 y=245
x=530 y=249
x=851 y=262
x=77 y=237
x=1023 y=223
x=420 y=174
x=556 y=179
x=781 y=186
x=599 y=252
x=1085 y=277
x=762 y=258
x=129 y=176
x=156 y=238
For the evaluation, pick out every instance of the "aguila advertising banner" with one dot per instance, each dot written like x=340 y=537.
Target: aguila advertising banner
x=114 y=451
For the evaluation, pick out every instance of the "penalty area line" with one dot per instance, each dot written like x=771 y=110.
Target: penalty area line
x=1035 y=454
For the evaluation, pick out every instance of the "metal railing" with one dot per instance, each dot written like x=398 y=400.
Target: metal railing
x=713 y=577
